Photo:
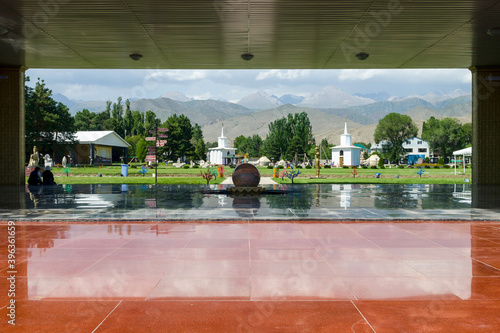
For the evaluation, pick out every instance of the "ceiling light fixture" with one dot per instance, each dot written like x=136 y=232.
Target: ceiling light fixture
x=493 y=31
x=362 y=56
x=135 y=56
x=247 y=56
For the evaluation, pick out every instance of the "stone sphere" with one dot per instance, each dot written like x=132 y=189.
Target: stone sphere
x=246 y=175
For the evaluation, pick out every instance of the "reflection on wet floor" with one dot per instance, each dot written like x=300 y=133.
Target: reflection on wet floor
x=123 y=276
x=181 y=202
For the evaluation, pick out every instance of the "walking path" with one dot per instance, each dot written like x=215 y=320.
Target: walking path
x=263 y=181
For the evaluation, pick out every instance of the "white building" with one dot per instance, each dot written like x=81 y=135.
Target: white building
x=346 y=153
x=222 y=154
x=414 y=148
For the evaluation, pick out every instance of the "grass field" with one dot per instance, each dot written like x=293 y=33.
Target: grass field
x=172 y=175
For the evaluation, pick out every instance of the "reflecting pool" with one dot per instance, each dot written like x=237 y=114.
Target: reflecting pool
x=180 y=202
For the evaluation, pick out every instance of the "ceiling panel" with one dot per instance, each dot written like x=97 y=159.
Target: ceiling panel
x=280 y=33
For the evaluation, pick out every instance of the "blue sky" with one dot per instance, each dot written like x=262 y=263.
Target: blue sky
x=232 y=85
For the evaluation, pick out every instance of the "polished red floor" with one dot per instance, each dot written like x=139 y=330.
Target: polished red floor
x=253 y=277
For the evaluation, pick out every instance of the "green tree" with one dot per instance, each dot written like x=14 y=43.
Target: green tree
x=141 y=149
x=128 y=120
x=150 y=122
x=283 y=131
x=48 y=124
x=137 y=123
x=200 y=150
x=444 y=136
x=180 y=133
x=467 y=129
x=395 y=128
x=240 y=143
x=133 y=140
x=254 y=145
x=294 y=146
x=85 y=121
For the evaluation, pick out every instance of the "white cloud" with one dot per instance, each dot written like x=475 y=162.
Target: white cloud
x=290 y=74
x=177 y=75
x=360 y=74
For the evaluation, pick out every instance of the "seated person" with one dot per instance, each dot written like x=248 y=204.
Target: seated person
x=34 y=178
x=48 y=176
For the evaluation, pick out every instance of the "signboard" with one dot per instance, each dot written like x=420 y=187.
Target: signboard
x=152 y=131
x=160 y=143
x=150 y=158
x=162 y=136
x=152 y=149
x=162 y=129
x=150 y=138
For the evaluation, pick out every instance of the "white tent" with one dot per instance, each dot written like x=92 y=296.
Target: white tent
x=464 y=152
x=264 y=161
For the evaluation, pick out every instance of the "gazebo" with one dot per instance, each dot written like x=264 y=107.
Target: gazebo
x=464 y=152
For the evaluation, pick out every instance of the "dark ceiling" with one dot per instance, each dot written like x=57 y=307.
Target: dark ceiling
x=212 y=34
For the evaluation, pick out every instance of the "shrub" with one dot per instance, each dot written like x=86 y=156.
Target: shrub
x=308 y=167
x=441 y=161
x=232 y=166
x=298 y=167
x=345 y=167
x=437 y=167
x=196 y=166
x=373 y=167
x=186 y=166
x=381 y=163
x=427 y=166
x=426 y=160
x=328 y=166
x=133 y=166
x=446 y=166
x=364 y=167
x=401 y=166
x=269 y=166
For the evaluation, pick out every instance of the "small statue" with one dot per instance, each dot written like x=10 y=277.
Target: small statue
x=48 y=161
x=34 y=159
x=316 y=161
x=64 y=162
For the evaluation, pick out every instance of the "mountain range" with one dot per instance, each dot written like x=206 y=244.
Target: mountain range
x=327 y=110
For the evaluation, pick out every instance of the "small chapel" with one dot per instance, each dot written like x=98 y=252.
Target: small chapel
x=346 y=153
x=222 y=154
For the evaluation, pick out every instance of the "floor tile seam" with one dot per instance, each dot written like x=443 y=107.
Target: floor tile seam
x=342 y=280
x=109 y=314
x=363 y=316
x=249 y=262
x=98 y=261
x=482 y=262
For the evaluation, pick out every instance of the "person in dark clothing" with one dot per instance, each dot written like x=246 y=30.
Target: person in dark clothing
x=34 y=178
x=48 y=176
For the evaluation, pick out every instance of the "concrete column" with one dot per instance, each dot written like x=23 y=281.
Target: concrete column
x=486 y=136
x=12 y=149
x=486 y=125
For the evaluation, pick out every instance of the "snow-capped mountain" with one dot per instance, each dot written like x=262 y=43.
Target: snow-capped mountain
x=439 y=96
x=333 y=97
x=378 y=97
x=176 y=96
x=290 y=99
x=259 y=101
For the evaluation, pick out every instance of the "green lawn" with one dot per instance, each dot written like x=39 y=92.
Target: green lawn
x=173 y=175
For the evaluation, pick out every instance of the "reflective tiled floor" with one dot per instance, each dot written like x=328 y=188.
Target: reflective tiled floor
x=251 y=276
x=312 y=202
